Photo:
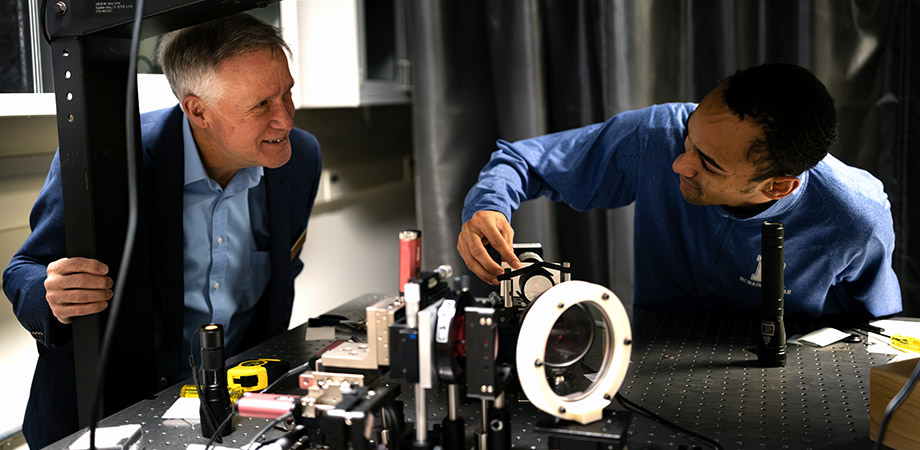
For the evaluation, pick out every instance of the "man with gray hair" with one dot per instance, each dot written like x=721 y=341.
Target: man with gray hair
x=228 y=186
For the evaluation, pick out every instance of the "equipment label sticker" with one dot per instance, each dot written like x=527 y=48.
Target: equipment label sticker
x=111 y=6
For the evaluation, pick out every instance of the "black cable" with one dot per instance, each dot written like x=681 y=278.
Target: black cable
x=268 y=426
x=894 y=404
x=293 y=371
x=117 y=298
x=626 y=403
x=223 y=424
x=41 y=21
x=289 y=439
x=217 y=431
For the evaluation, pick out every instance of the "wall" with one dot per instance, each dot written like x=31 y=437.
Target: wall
x=367 y=197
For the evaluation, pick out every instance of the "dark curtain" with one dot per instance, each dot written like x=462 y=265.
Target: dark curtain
x=492 y=69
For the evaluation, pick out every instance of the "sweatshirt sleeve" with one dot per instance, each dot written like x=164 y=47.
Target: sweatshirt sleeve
x=24 y=278
x=868 y=283
x=596 y=166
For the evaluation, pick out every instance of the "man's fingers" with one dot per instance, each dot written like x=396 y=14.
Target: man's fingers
x=66 y=266
x=503 y=246
x=77 y=281
x=68 y=297
x=481 y=272
x=480 y=255
x=65 y=314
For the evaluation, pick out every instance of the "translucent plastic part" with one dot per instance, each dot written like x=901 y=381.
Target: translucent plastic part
x=552 y=320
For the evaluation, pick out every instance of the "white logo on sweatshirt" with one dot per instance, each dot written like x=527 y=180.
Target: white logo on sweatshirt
x=757 y=277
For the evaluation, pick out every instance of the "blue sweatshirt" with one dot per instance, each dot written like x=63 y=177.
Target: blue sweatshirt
x=839 y=235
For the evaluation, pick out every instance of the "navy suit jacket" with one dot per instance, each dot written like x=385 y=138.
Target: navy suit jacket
x=290 y=191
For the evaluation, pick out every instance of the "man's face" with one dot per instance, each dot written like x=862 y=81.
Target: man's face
x=713 y=170
x=253 y=117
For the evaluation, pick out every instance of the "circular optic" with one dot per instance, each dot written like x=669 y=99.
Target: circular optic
x=535 y=285
x=570 y=338
x=584 y=361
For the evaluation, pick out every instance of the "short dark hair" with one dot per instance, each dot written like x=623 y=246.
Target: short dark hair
x=190 y=56
x=795 y=112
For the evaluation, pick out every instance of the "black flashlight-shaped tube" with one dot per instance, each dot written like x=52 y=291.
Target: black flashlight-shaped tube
x=215 y=399
x=772 y=352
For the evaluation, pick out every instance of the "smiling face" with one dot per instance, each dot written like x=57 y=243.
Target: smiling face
x=714 y=169
x=250 y=124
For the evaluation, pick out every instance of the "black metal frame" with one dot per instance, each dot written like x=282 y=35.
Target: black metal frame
x=90 y=51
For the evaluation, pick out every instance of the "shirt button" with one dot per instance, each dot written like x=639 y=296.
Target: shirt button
x=216 y=285
x=220 y=240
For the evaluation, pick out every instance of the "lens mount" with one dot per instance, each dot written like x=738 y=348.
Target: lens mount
x=538 y=326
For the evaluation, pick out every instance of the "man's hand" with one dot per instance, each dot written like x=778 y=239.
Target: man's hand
x=487 y=227
x=77 y=287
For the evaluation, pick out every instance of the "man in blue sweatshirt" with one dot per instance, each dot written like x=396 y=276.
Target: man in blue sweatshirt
x=704 y=178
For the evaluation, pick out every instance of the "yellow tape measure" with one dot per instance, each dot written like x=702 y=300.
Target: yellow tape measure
x=256 y=374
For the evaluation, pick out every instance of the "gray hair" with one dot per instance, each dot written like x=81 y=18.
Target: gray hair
x=190 y=56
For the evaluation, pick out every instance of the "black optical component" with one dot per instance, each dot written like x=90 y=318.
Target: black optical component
x=215 y=398
x=772 y=348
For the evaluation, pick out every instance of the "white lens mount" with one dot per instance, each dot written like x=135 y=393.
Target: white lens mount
x=531 y=350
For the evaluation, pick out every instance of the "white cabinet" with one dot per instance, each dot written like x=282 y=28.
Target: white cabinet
x=346 y=52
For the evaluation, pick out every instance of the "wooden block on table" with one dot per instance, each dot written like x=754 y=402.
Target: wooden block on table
x=885 y=381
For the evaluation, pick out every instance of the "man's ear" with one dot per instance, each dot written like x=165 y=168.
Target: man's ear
x=780 y=187
x=195 y=108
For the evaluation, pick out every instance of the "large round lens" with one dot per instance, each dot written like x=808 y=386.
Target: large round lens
x=570 y=338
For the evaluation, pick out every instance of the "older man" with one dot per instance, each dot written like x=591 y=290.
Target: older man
x=230 y=184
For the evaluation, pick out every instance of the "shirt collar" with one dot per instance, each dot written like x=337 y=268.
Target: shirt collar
x=194 y=168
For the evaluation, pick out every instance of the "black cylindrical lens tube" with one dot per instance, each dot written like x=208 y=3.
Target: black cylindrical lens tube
x=772 y=351
x=215 y=398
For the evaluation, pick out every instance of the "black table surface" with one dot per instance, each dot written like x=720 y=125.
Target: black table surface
x=690 y=367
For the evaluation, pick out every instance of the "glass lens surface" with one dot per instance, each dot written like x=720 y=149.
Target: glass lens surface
x=577 y=351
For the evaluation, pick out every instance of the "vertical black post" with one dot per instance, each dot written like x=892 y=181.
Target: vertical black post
x=90 y=78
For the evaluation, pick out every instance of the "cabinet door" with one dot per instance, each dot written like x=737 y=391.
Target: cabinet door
x=346 y=53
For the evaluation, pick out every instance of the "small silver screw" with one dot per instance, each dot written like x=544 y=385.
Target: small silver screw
x=560 y=305
x=538 y=363
x=60 y=8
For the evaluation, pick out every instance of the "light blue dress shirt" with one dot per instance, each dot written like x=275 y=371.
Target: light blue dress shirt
x=225 y=272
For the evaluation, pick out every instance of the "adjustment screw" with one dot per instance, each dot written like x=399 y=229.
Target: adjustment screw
x=60 y=8
x=560 y=305
x=606 y=296
x=627 y=341
x=483 y=388
x=562 y=410
x=537 y=363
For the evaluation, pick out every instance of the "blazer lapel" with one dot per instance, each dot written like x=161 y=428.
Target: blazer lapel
x=164 y=179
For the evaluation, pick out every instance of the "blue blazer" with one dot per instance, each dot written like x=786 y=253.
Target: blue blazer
x=51 y=413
